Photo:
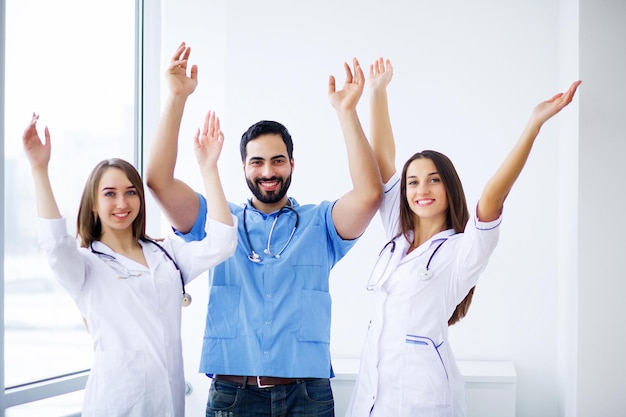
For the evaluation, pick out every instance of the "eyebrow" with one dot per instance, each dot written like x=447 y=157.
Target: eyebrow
x=428 y=175
x=258 y=158
x=130 y=187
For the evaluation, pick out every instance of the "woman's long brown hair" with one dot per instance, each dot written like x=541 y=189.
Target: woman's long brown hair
x=456 y=216
x=88 y=226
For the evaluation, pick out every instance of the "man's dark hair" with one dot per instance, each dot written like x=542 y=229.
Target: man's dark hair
x=265 y=127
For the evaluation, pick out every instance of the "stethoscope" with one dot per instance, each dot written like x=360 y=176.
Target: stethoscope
x=255 y=257
x=424 y=274
x=112 y=260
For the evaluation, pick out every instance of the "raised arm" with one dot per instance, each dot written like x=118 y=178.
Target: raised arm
x=38 y=154
x=178 y=200
x=354 y=210
x=381 y=134
x=208 y=146
x=498 y=187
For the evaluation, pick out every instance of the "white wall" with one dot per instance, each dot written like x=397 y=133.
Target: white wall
x=602 y=224
x=467 y=75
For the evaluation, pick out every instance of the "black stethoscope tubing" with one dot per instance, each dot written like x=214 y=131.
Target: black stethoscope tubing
x=253 y=256
x=186 y=300
x=425 y=273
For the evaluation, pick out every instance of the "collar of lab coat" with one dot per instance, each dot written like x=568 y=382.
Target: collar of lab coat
x=404 y=244
x=154 y=256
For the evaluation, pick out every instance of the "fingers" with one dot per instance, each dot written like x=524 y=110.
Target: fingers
x=332 y=84
x=359 y=77
x=180 y=59
x=348 y=71
x=389 y=66
x=31 y=127
x=47 y=135
x=572 y=89
x=182 y=52
x=196 y=139
x=380 y=66
x=211 y=128
x=555 y=97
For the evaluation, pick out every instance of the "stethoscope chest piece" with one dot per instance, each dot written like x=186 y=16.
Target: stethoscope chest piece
x=186 y=300
x=425 y=274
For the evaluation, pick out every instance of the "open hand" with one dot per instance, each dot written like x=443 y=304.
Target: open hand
x=546 y=109
x=380 y=74
x=348 y=97
x=208 y=142
x=38 y=152
x=177 y=79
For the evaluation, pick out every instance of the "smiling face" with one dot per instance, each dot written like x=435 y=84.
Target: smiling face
x=268 y=170
x=425 y=192
x=117 y=201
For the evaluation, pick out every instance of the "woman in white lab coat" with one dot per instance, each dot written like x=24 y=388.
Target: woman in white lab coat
x=426 y=273
x=128 y=287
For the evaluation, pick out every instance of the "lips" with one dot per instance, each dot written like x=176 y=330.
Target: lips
x=425 y=202
x=271 y=185
x=121 y=216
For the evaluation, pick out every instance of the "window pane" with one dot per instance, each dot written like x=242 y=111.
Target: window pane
x=62 y=405
x=72 y=62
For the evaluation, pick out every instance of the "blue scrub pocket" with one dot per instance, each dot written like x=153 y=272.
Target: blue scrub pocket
x=223 y=313
x=315 y=316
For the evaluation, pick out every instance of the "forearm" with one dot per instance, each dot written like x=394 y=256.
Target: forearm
x=178 y=201
x=46 y=203
x=498 y=187
x=217 y=206
x=381 y=133
x=361 y=161
x=162 y=160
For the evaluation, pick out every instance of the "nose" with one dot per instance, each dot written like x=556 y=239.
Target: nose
x=121 y=201
x=422 y=188
x=267 y=171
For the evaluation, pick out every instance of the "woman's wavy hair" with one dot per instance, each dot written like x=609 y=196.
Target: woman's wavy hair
x=88 y=226
x=456 y=216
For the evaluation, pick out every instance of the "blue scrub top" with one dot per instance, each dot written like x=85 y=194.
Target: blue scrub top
x=272 y=318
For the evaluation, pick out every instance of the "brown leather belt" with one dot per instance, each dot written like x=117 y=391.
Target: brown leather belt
x=258 y=381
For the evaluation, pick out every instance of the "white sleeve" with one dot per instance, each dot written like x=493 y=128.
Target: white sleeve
x=195 y=257
x=67 y=263
x=476 y=246
x=390 y=207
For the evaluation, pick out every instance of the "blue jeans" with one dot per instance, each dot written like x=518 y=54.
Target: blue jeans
x=305 y=398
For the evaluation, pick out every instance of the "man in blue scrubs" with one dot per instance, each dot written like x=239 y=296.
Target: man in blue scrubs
x=267 y=337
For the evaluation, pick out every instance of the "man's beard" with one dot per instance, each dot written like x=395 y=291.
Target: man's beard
x=269 y=197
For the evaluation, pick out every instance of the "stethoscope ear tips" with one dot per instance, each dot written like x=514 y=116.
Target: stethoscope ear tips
x=186 y=300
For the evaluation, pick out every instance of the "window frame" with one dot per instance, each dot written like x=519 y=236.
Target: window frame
x=146 y=114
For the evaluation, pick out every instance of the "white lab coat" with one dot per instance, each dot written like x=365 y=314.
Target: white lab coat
x=135 y=322
x=407 y=366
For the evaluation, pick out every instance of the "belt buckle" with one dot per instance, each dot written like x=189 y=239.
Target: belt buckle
x=258 y=383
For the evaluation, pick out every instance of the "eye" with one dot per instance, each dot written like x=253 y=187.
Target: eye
x=109 y=194
x=435 y=180
x=412 y=182
x=279 y=161
x=131 y=192
x=255 y=163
